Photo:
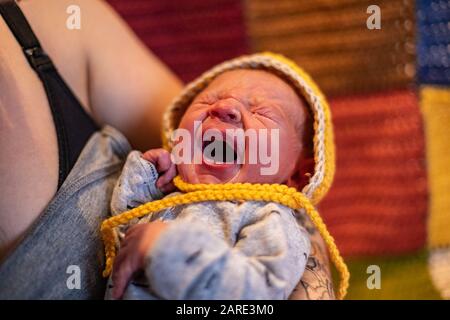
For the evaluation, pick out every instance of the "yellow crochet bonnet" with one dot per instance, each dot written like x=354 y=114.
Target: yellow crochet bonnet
x=324 y=163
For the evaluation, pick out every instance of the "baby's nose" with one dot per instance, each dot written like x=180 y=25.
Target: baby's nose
x=225 y=113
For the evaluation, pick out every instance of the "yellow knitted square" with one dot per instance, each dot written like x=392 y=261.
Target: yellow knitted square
x=435 y=106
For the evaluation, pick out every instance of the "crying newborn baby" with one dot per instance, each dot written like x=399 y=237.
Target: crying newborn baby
x=248 y=120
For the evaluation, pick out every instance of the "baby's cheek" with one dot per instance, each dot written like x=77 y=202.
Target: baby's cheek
x=290 y=151
x=181 y=169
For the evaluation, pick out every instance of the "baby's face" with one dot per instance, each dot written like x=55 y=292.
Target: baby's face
x=245 y=99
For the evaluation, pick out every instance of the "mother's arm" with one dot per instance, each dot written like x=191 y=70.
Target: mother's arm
x=316 y=282
x=129 y=87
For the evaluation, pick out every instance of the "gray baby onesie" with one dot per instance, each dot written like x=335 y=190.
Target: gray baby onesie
x=212 y=249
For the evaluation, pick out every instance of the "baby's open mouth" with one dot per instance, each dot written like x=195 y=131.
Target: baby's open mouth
x=219 y=151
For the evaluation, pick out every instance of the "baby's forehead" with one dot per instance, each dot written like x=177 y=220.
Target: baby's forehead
x=248 y=82
x=256 y=87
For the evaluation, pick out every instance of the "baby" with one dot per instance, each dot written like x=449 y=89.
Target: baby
x=219 y=249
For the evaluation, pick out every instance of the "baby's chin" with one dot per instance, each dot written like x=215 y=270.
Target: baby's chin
x=209 y=179
x=202 y=173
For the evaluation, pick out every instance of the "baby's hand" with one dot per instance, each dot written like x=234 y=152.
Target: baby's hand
x=160 y=158
x=134 y=248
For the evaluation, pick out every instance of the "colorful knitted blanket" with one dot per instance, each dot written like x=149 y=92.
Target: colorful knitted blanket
x=389 y=93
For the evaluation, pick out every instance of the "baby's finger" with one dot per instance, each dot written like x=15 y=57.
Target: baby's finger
x=122 y=276
x=132 y=230
x=120 y=258
x=120 y=280
x=164 y=161
x=151 y=155
x=116 y=292
x=167 y=177
x=168 y=188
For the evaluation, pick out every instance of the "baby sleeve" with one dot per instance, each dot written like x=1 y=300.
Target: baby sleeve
x=136 y=184
x=267 y=260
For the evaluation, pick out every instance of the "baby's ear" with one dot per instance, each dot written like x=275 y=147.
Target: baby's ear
x=302 y=173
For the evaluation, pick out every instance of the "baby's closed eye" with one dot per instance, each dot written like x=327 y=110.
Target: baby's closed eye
x=266 y=112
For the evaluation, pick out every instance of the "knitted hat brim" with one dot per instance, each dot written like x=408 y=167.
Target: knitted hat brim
x=324 y=158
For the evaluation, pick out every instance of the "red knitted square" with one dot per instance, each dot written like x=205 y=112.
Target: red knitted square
x=378 y=202
x=189 y=36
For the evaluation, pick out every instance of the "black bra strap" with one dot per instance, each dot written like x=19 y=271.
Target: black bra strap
x=21 y=29
x=72 y=124
x=43 y=66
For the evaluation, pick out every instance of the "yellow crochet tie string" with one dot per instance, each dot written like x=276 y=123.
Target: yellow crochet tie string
x=279 y=193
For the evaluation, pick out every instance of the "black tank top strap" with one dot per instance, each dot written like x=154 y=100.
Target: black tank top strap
x=72 y=124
